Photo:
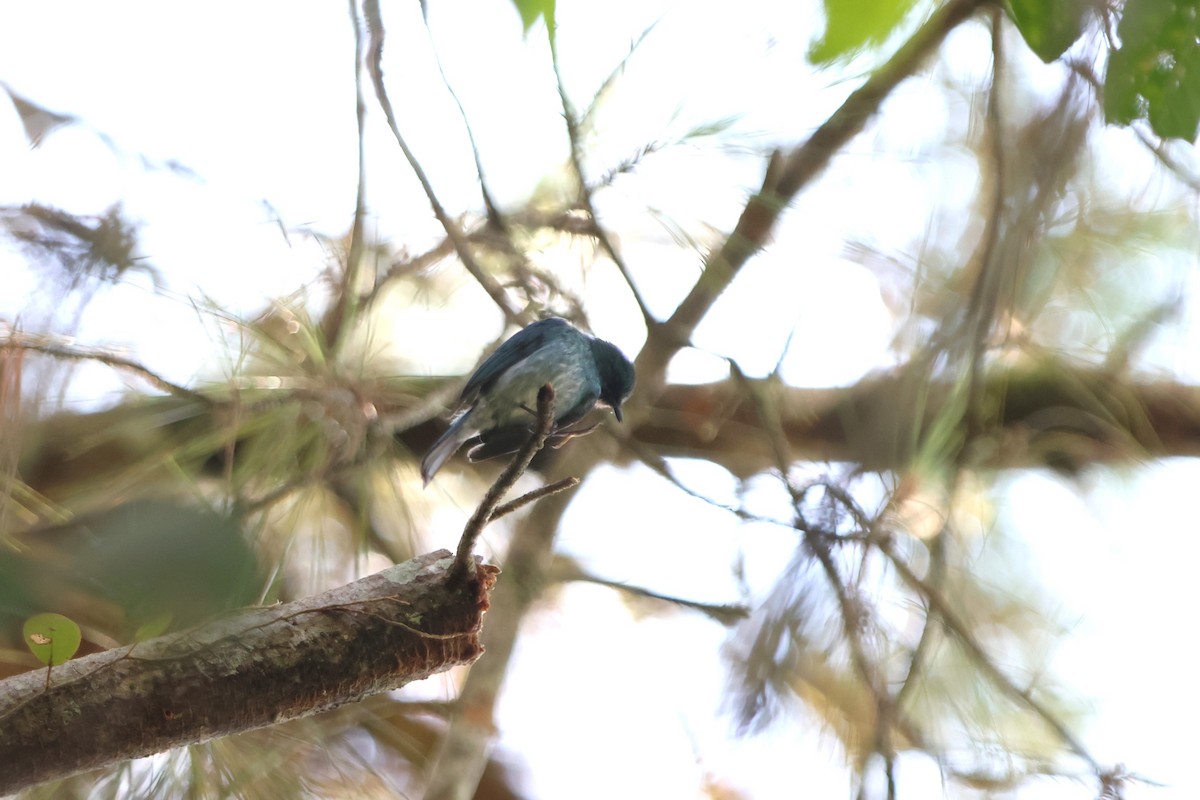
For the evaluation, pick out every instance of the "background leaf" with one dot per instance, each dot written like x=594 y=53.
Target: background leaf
x=851 y=26
x=532 y=10
x=1048 y=28
x=1156 y=73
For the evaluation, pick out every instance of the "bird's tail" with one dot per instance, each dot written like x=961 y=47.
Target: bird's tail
x=444 y=447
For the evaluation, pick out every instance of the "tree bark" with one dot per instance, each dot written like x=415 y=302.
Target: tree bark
x=255 y=668
x=1059 y=416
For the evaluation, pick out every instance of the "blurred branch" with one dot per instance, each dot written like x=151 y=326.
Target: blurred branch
x=346 y=300
x=493 y=211
x=786 y=175
x=515 y=469
x=1056 y=414
x=98 y=247
x=921 y=655
x=461 y=244
x=586 y=120
x=240 y=672
x=819 y=541
x=43 y=344
x=855 y=615
x=566 y=570
x=409 y=264
x=984 y=299
x=585 y=190
x=961 y=631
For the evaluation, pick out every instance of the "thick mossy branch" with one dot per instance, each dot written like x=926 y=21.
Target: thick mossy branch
x=249 y=670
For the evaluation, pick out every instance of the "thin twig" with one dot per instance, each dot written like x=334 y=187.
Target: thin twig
x=493 y=211
x=593 y=107
x=818 y=541
x=727 y=614
x=408 y=265
x=796 y=169
x=962 y=633
x=920 y=656
x=341 y=316
x=984 y=299
x=38 y=344
x=517 y=467
x=536 y=494
x=461 y=244
x=585 y=191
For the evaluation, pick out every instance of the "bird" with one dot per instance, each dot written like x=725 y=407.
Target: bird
x=497 y=407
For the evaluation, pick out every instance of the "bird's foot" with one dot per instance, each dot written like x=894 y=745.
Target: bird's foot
x=559 y=438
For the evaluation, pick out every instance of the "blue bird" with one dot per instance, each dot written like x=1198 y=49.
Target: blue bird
x=498 y=405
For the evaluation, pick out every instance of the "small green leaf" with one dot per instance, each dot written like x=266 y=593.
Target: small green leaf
x=1049 y=28
x=851 y=25
x=53 y=638
x=532 y=10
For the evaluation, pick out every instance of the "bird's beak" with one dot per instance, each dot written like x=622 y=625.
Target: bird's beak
x=617 y=413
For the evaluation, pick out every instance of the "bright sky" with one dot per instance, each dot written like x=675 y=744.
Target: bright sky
x=256 y=100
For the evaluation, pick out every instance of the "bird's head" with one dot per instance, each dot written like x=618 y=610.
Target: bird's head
x=616 y=375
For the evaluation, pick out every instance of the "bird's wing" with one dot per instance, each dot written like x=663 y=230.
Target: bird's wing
x=519 y=346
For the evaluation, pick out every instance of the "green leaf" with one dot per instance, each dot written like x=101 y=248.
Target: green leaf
x=851 y=25
x=53 y=638
x=1049 y=27
x=1121 y=102
x=531 y=10
x=1156 y=73
x=154 y=627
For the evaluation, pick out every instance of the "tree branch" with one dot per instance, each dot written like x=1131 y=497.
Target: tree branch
x=1055 y=414
x=347 y=301
x=461 y=245
x=516 y=468
x=585 y=190
x=786 y=175
x=43 y=344
x=252 y=669
x=533 y=496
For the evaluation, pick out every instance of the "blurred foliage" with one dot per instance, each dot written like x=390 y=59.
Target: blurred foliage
x=1155 y=74
x=533 y=10
x=852 y=26
x=130 y=572
x=95 y=247
x=1153 y=66
x=1048 y=28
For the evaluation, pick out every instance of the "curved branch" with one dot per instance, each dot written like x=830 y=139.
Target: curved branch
x=42 y=344
x=461 y=245
x=484 y=512
x=585 y=191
